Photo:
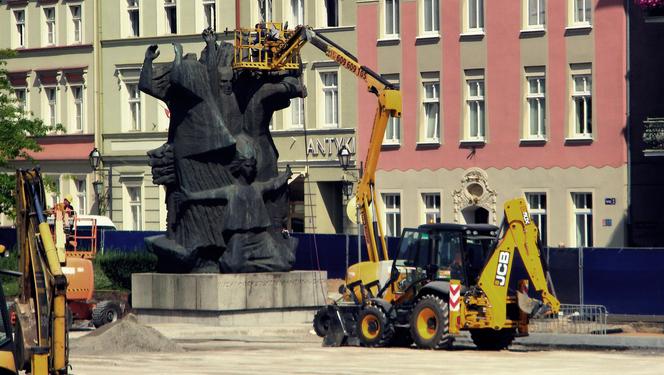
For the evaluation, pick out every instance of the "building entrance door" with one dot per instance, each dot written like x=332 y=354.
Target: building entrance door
x=475 y=215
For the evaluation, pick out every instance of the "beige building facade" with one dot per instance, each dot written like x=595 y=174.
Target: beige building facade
x=54 y=77
x=307 y=134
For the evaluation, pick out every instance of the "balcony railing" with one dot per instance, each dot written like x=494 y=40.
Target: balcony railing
x=653 y=136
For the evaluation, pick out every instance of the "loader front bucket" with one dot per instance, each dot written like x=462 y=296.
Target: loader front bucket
x=336 y=333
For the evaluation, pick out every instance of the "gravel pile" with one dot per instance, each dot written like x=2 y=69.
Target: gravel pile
x=123 y=336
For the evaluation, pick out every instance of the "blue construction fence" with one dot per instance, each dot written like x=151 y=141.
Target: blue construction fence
x=625 y=280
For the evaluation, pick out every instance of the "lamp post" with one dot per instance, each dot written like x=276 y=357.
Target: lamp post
x=95 y=160
x=344 y=155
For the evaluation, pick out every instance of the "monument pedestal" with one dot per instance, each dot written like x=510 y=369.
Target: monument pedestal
x=246 y=299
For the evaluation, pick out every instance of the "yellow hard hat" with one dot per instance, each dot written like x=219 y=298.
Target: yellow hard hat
x=69 y=198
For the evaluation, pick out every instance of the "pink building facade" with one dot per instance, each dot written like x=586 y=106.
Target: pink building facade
x=502 y=99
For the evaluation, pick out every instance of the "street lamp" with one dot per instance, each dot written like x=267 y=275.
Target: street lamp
x=98 y=187
x=344 y=157
x=94 y=158
x=347 y=188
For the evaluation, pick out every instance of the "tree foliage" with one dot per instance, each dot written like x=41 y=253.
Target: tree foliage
x=19 y=131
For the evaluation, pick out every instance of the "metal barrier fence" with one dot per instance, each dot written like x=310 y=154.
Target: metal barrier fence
x=581 y=276
x=573 y=319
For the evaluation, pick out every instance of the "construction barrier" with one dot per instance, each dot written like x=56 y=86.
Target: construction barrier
x=625 y=280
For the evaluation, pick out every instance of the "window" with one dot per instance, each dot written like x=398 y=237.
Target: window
x=431 y=14
x=392 y=214
x=476 y=115
x=170 y=9
x=21 y=95
x=393 y=129
x=431 y=108
x=77 y=95
x=210 y=14
x=19 y=18
x=391 y=18
x=296 y=12
x=583 y=108
x=81 y=196
x=134 y=22
x=331 y=98
x=134 y=220
x=536 y=108
x=583 y=218
x=536 y=14
x=537 y=208
x=75 y=11
x=297 y=113
x=432 y=211
x=49 y=16
x=54 y=193
x=331 y=13
x=265 y=7
x=134 y=106
x=475 y=15
x=582 y=12
x=51 y=105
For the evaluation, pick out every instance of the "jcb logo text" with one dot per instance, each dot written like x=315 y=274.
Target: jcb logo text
x=501 y=270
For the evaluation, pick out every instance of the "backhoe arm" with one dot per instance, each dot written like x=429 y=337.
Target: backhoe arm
x=520 y=235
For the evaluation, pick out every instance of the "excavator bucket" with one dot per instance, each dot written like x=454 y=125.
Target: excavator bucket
x=531 y=306
x=336 y=333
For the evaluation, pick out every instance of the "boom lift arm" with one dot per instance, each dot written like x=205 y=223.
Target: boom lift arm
x=40 y=306
x=282 y=53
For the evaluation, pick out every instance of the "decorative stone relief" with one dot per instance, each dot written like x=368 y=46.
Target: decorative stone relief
x=475 y=191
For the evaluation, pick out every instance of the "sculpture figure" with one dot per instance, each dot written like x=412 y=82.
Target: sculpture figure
x=219 y=156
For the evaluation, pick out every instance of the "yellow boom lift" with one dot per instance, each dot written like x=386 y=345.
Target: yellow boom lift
x=445 y=277
x=39 y=343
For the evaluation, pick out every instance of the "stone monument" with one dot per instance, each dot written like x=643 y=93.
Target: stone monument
x=227 y=203
x=225 y=255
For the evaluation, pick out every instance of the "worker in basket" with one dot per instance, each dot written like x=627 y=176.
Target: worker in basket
x=68 y=214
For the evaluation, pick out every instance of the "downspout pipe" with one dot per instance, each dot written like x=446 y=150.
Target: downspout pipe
x=628 y=119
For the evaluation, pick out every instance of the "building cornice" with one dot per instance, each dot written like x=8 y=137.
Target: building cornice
x=66 y=138
x=135 y=135
x=73 y=47
x=300 y=132
x=163 y=39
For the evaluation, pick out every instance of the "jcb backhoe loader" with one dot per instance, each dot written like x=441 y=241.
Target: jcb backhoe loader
x=444 y=279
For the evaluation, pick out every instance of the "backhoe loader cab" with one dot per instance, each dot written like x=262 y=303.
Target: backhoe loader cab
x=445 y=251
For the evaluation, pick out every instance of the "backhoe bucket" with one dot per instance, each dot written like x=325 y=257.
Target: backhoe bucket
x=531 y=306
x=336 y=333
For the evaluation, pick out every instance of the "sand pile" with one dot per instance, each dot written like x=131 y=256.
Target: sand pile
x=123 y=336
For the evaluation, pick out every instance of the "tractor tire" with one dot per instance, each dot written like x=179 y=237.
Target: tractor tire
x=106 y=312
x=491 y=339
x=373 y=327
x=401 y=338
x=430 y=323
x=321 y=322
x=22 y=357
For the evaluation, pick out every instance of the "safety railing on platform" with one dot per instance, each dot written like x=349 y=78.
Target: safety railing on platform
x=255 y=48
x=573 y=319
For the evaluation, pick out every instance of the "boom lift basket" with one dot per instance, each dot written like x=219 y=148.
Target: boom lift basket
x=255 y=48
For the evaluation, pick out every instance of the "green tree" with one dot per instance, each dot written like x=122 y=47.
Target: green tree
x=19 y=131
